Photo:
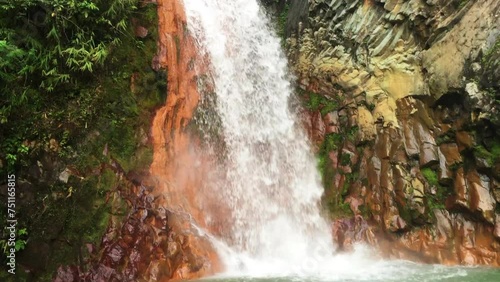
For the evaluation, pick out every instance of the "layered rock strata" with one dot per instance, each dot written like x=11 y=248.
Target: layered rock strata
x=401 y=106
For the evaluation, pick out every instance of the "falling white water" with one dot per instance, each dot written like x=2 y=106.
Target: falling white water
x=271 y=182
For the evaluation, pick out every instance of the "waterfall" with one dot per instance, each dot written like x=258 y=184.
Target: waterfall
x=271 y=183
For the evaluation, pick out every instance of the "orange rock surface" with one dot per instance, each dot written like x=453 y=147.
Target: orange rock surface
x=178 y=167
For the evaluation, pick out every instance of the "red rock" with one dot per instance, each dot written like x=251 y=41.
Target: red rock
x=464 y=140
x=354 y=204
x=411 y=144
x=331 y=122
x=428 y=155
x=141 y=31
x=67 y=274
x=451 y=153
x=461 y=198
x=481 y=200
x=318 y=128
x=397 y=224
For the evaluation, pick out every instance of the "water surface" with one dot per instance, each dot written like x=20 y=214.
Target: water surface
x=385 y=271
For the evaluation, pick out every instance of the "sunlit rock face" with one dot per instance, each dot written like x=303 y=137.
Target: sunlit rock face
x=415 y=130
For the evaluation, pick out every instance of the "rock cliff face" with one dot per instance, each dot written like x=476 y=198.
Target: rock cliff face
x=158 y=239
x=178 y=164
x=402 y=105
x=152 y=242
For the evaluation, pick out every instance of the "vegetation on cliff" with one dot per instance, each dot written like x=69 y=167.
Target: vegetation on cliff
x=77 y=91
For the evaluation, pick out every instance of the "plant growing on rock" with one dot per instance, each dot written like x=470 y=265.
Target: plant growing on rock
x=75 y=82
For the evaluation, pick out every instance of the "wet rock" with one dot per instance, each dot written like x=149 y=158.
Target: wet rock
x=411 y=142
x=445 y=175
x=331 y=123
x=428 y=155
x=38 y=262
x=481 y=199
x=449 y=156
x=349 y=231
x=482 y=163
x=366 y=124
x=497 y=227
x=445 y=60
x=464 y=140
x=461 y=197
x=451 y=153
x=318 y=126
x=64 y=175
x=67 y=274
x=354 y=204
x=443 y=225
x=141 y=32
x=397 y=224
x=428 y=149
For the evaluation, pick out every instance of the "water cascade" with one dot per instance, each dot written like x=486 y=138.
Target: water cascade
x=270 y=182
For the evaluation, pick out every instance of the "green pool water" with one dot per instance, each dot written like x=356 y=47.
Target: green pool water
x=390 y=271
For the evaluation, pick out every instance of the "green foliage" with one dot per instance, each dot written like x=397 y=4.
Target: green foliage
x=15 y=150
x=495 y=151
x=491 y=156
x=319 y=102
x=65 y=68
x=332 y=142
x=282 y=18
x=456 y=166
x=352 y=133
x=314 y=101
x=334 y=198
x=60 y=39
x=339 y=209
x=436 y=200
x=75 y=213
x=370 y=106
x=448 y=137
x=89 y=107
x=48 y=49
x=322 y=166
x=431 y=176
x=20 y=243
x=345 y=159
